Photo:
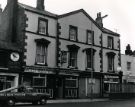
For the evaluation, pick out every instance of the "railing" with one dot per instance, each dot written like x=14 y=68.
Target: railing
x=71 y=93
x=45 y=90
x=122 y=88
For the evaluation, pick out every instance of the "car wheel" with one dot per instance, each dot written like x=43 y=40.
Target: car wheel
x=10 y=102
x=43 y=101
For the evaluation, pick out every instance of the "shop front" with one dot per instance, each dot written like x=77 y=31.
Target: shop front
x=8 y=80
x=67 y=85
x=41 y=79
x=108 y=82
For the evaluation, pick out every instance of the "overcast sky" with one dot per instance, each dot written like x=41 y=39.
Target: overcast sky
x=120 y=18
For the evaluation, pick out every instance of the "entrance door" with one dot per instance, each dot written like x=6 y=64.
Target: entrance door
x=60 y=88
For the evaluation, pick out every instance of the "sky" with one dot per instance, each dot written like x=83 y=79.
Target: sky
x=121 y=15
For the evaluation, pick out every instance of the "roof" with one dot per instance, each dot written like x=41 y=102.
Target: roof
x=105 y=30
x=35 y=10
x=89 y=17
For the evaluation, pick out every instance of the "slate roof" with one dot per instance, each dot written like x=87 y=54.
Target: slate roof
x=33 y=9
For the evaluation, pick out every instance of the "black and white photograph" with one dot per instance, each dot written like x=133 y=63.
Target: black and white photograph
x=67 y=53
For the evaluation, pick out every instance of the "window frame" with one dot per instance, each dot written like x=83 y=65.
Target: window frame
x=71 y=59
x=45 y=54
x=91 y=66
x=70 y=79
x=46 y=21
x=128 y=66
x=112 y=63
x=110 y=44
x=38 y=77
x=92 y=36
x=76 y=33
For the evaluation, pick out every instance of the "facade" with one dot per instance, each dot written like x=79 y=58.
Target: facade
x=68 y=56
x=90 y=55
x=128 y=68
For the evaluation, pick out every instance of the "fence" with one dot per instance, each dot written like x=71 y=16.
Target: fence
x=122 y=88
x=122 y=91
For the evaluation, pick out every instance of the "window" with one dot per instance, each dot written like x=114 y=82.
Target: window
x=73 y=59
x=43 y=26
x=110 y=42
x=128 y=66
x=63 y=56
x=90 y=37
x=71 y=82
x=41 y=54
x=73 y=33
x=39 y=81
x=90 y=60
x=110 y=63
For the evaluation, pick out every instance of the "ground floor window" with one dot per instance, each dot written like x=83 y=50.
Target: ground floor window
x=6 y=82
x=71 y=87
x=39 y=81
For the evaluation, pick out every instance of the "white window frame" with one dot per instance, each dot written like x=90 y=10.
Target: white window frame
x=73 y=29
x=70 y=79
x=45 y=79
x=39 y=53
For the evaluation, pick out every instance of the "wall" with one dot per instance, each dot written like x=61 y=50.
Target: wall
x=31 y=34
x=83 y=23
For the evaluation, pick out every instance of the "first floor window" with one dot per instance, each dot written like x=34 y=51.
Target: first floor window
x=110 y=63
x=90 y=60
x=73 y=33
x=73 y=59
x=41 y=54
x=110 y=42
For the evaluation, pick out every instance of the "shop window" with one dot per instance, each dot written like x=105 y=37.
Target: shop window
x=110 y=42
x=73 y=33
x=41 y=54
x=39 y=81
x=71 y=83
x=43 y=26
x=90 y=37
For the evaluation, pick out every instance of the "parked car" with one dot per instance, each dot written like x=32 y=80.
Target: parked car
x=22 y=94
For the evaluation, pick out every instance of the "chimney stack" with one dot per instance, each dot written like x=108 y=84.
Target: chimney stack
x=40 y=5
x=99 y=19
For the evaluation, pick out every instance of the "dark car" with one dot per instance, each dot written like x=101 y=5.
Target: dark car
x=22 y=94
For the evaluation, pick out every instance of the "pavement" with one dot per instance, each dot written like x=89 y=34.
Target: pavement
x=76 y=100
x=58 y=101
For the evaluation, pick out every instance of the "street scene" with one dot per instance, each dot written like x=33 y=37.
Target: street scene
x=68 y=59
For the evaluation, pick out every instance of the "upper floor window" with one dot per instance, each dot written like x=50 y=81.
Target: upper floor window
x=90 y=60
x=110 y=42
x=111 y=56
x=73 y=59
x=73 y=33
x=41 y=54
x=110 y=63
x=41 y=51
x=90 y=37
x=43 y=26
x=129 y=66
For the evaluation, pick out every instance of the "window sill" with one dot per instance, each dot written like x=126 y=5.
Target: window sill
x=71 y=67
x=41 y=64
